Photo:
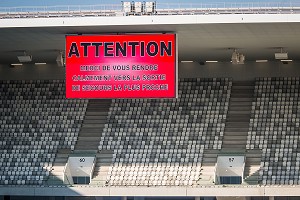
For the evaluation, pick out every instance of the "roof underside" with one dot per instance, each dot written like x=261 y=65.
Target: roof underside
x=200 y=38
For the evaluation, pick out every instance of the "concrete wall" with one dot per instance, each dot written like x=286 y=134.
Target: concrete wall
x=32 y=72
x=247 y=71
x=146 y=20
x=186 y=70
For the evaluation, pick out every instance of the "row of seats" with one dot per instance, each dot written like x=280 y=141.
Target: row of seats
x=153 y=174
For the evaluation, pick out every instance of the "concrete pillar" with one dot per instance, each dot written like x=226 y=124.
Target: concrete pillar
x=124 y=198
x=197 y=198
x=271 y=198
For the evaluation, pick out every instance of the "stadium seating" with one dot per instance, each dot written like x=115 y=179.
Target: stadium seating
x=161 y=141
x=274 y=128
x=154 y=141
x=35 y=121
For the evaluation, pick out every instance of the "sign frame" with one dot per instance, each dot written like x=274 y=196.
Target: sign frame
x=175 y=65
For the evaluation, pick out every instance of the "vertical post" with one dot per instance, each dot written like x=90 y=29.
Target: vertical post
x=197 y=198
x=124 y=198
x=271 y=198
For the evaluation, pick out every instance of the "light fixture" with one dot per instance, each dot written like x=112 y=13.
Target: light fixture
x=286 y=61
x=60 y=59
x=241 y=59
x=186 y=61
x=41 y=63
x=211 y=61
x=237 y=58
x=24 y=58
x=16 y=64
x=261 y=61
x=281 y=55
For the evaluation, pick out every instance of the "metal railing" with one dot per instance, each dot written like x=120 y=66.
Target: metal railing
x=161 y=9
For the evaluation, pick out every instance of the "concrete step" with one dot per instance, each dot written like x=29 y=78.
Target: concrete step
x=93 y=126
x=99 y=120
x=94 y=117
x=254 y=160
x=241 y=99
x=103 y=163
x=229 y=146
x=91 y=129
x=90 y=139
x=53 y=180
x=211 y=151
x=208 y=171
x=247 y=182
x=57 y=172
x=237 y=124
x=240 y=103
x=97 y=182
x=105 y=156
x=242 y=90
x=87 y=147
x=232 y=151
x=235 y=142
x=59 y=160
x=241 y=95
x=62 y=155
x=63 y=151
x=243 y=84
x=209 y=160
x=236 y=134
x=236 y=138
x=99 y=104
x=239 y=108
x=236 y=129
x=211 y=155
x=90 y=134
x=99 y=100
x=98 y=109
x=84 y=152
x=252 y=170
x=100 y=175
x=92 y=113
x=207 y=175
x=238 y=119
x=87 y=144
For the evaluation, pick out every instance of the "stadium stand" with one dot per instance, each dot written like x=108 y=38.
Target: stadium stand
x=274 y=128
x=153 y=142
x=161 y=142
x=35 y=121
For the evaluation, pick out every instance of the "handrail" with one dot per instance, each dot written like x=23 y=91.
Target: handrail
x=161 y=9
x=158 y=6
